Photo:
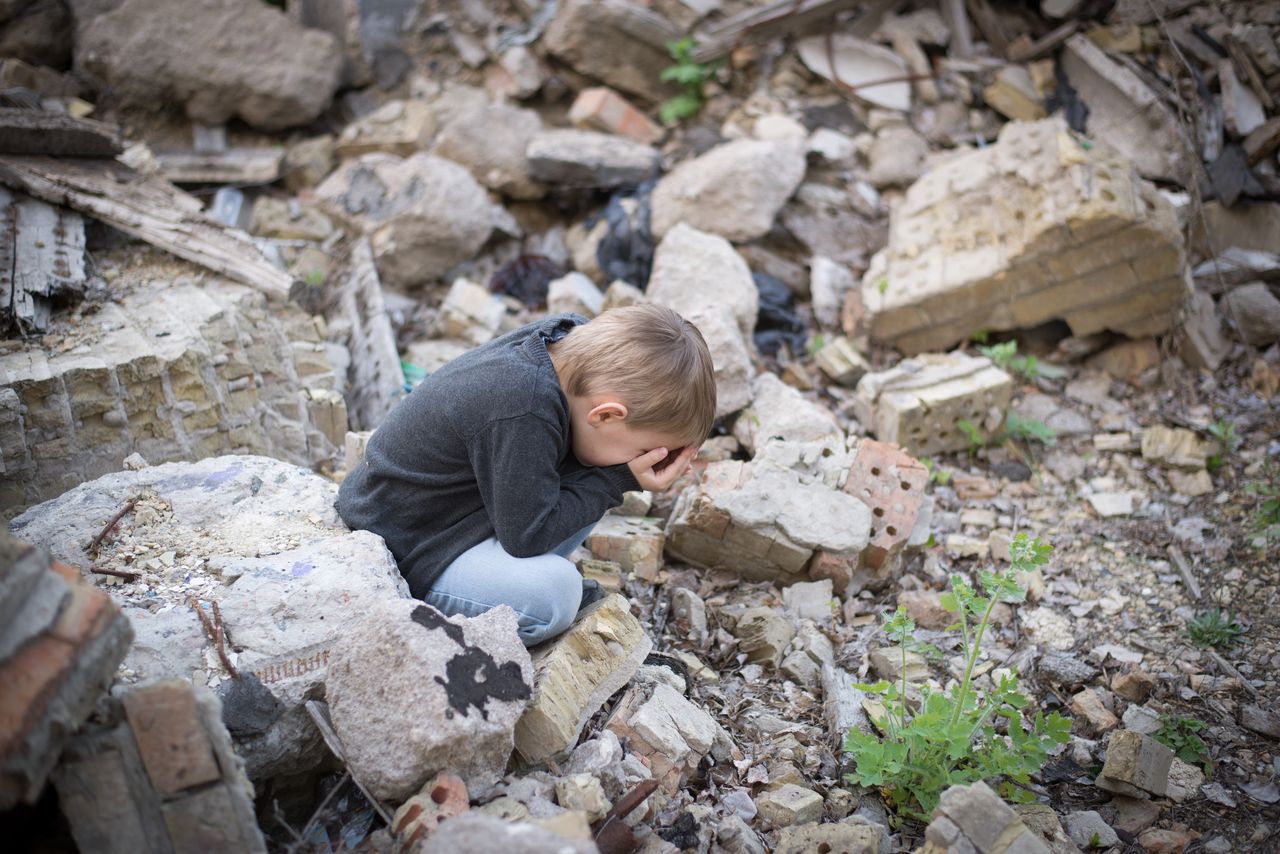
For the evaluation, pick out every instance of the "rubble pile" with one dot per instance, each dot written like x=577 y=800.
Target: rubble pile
x=966 y=271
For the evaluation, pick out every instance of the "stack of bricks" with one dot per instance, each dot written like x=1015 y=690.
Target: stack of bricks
x=61 y=640
x=160 y=777
x=173 y=371
x=1039 y=226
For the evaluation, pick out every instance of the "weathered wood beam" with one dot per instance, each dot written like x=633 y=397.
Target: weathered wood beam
x=55 y=135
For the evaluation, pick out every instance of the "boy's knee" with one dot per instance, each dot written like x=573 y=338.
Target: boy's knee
x=556 y=604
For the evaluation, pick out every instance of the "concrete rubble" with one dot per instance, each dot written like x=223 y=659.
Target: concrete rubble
x=974 y=818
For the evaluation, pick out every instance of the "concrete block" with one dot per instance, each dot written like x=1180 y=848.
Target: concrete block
x=1137 y=765
x=841 y=362
x=974 y=819
x=918 y=403
x=843 y=838
x=576 y=673
x=789 y=805
x=633 y=542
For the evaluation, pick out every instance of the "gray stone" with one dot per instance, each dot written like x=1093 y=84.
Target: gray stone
x=809 y=600
x=688 y=608
x=697 y=271
x=218 y=59
x=597 y=38
x=1137 y=765
x=600 y=756
x=1087 y=829
x=735 y=190
x=574 y=293
x=764 y=634
x=974 y=818
x=828 y=284
x=423 y=214
x=730 y=356
x=412 y=693
x=789 y=805
x=846 y=838
x=1255 y=311
x=1065 y=670
x=474 y=833
x=778 y=411
x=896 y=157
x=587 y=159
x=490 y=141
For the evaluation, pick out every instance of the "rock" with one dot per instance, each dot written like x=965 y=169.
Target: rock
x=433 y=354
x=405 y=664
x=1065 y=670
x=1260 y=720
x=443 y=797
x=474 y=833
x=220 y=59
x=1159 y=841
x=620 y=294
x=1241 y=109
x=831 y=145
x=1100 y=252
x=735 y=190
x=790 y=805
x=918 y=403
x=896 y=157
x=1134 y=685
x=729 y=357
x=583 y=793
x=736 y=837
x=423 y=214
x=284 y=220
x=1111 y=504
x=1202 y=341
x=688 y=609
x=470 y=312
x=1133 y=815
x=600 y=757
x=1174 y=446
x=574 y=293
x=668 y=730
x=597 y=39
x=1124 y=112
x=778 y=411
x=588 y=159
x=887 y=663
x=763 y=521
x=1041 y=820
x=828 y=284
x=1087 y=829
x=925 y=609
x=288 y=587
x=1088 y=705
x=37 y=33
x=764 y=634
x=402 y=128
x=834 y=223
x=60 y=643
x=600 y=108
x=1137 y=765
x=840 y=361
x=576 y=673
x=633 y=543
x=1141 y=719
x=1014 y=94
x=810 y=600
x=307 y=162
x=491 y=141
x=1184 y=781
x=696 y=271
x=973 y=818
x=525 y=70
x=1255 y=312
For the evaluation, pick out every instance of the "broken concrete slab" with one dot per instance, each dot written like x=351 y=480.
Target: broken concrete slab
x=585 y=159
x=780 y=412
x=423 y=214
x=974 y=818
x=221 y=60
x=576 y=673
x=919 y=403
x=635 y=543
x=1077 y=237
x=1136 y=765
x=700 y=271
x=402 y=664
x=670 y=731
x=735 y=190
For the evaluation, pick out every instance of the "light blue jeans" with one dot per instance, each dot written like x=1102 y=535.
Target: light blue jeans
x=544 y=591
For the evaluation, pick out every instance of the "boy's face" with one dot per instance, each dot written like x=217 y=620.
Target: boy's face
x=604 y=439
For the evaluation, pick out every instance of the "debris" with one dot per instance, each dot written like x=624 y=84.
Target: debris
x=1136 y=765
x=526 y=277
x=377 y=380
x=669 y=731
x=777 y=324
x=402 y=128
x=618 y=42
x=973 y=818
x=1174 y=446
x=56 y=135
x=149 y=208
x=308 y=162
x=240 y=166
x=866 y=70
x=1260 y=720
x=475 y=831
x=897 y=156
x=1015 y=95
x=1128 y=360
x=809 y=600
x=576 y=673
x=735 y=190
x=778 y=411
x=525 y=70
x=697 y=271
x=1202 y=340
x=634 y=543
x=841 y=362
x=1134 y=685
x=829 y=281
x=600 y=108
x=1084 y=240
x=789 y=805
x=892 y=483
x=574 y=293
x=778 y=17
x=588 y=159
x=1255 y=312
x=43 y=252
x=582 y=793
x=729 y=357
x=491 y=141
x=443 y=797
x=1087 y=829
x=764 y=635
x=919 y=403
x=1241 y=109
x=1088 y=705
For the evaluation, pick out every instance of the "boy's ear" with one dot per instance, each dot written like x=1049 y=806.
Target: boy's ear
x=609 y=410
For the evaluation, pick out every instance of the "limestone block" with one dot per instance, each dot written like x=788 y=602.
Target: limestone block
x=841 y=362
x=778 y=411
x=695 y=270
x=918 y=403
x=887 y=663
x=789 y=805
x=633 y=542
x=1137 y=765
x=763 y=521
x=730 y=357
x=1175 y=447
x=574 y=293
x=1033 y=228
x=974 y=818
x=576 y=673
x=764 y=634
x=847 y=838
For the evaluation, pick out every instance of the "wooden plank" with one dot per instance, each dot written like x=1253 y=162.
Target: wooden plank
x=42 y=253
x=149 y=208
x=761 y=24
x=1024 y=50
x=989 y=25
x=243 y=166
x=377 y=380
x=55 y=135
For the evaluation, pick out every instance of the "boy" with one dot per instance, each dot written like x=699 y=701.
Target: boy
x=493 y=470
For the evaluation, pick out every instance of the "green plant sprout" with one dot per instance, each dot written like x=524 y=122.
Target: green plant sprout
x=816 y=343
x=951 y=737
x=1005 y=355
x=1178 y=733
x=1266 y=516
x=1217 y=629
x=315 y=278
x=882 y=285
x=937 y=474
x=1228 y=443
x=690 y=75
x=971 y=432
x=1028 y=429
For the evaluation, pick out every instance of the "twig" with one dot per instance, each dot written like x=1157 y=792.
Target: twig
x=214 y=633
x=97 y=541
x=346 y=775
x=1184 y=570
x=117 y=573
x=1230 y=669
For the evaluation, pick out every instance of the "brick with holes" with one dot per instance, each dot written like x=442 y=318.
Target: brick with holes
x=892 y=483
x=443 y=797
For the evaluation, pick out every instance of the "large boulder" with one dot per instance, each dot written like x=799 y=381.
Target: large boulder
x=413 y=693
x=424 y=214
x=597 y=38
x=217 y=58
x=695 y=271
x=490 y=140
x=735 y=190
x=260 y=538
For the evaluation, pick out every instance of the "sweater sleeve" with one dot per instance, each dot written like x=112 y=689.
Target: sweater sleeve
x=531 y=508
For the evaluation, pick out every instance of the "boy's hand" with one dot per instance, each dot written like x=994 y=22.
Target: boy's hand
x=659 y=468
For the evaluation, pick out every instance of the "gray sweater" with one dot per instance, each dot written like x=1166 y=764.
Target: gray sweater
x=480 y=448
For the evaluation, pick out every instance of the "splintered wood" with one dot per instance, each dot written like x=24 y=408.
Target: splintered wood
x=378 y=380
x=149 y=208
x=41 y=260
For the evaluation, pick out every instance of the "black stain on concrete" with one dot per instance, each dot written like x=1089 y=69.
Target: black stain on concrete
x=472 y=677
x=430 y=618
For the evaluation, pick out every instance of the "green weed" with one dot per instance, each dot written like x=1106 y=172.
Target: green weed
x=1178 y=733
x=1266 y=516
x=1228 y=443
x=1217 y=629
x=937 y=474
x=690 y=75
x=1028 y=429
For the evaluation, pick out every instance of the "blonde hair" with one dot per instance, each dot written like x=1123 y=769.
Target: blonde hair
x=654 y=360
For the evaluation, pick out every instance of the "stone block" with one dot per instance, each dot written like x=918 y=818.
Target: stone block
x=842 y=838
x=397 y=127
x=574 y=293
x=789 y=805
x=601 y=108
x=730 y=357
x=1088 y=705
x=1176 y=447
x=584 y=159
x=918 y=403
x=764 y=634
x=669 y=731
x=887 y=663
x=470 y=313
x=1136 y=765
x=809 y=600
x=576 y=673
x=974 y=819
x=780 y=412
x=633 y=542
x=841 y=362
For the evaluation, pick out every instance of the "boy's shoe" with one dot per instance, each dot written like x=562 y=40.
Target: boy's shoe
x=591 y=592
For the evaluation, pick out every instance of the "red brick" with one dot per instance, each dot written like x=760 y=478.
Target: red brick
x=175 y=748
x=30 y=681
x=891 y=482
x=443 y=797
x=601 y=108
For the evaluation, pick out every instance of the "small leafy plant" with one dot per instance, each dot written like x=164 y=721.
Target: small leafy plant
x=1217 y=629
x=1228 y=443
x=1178 y=733
x=1028 y=429
x=1005 y=355
x=1266 y=516
x=951 y=737
x=937 y=474
x=971 y=432
x=690 y=75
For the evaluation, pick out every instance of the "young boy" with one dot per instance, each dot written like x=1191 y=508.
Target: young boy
x=486 y=477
